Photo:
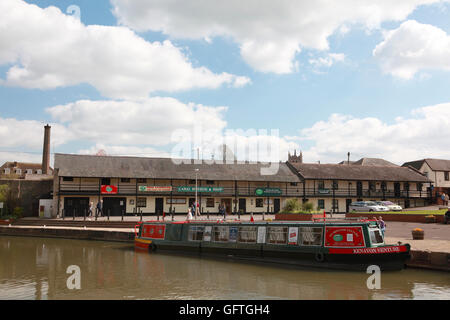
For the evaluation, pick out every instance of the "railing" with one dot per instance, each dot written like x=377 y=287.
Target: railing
x=289 y=191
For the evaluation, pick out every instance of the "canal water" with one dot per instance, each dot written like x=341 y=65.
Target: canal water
x=36 y=268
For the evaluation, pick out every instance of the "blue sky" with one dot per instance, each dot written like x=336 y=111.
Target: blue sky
x=369 y=96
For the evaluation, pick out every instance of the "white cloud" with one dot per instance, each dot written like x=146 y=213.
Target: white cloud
x=117 y=150
x=49 y=49
x=413 y=47
x=150 y=121
x=327 y=61
x=269 y=33
x=423 y=134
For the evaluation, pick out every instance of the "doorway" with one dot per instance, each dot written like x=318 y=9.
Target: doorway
x=115 y=206
x=359 y=189
x=243 y=206
x=159 y=206
x=276 y=205
x=348 y=202
x=227 y=203
x=397 y=189
x=76 y=206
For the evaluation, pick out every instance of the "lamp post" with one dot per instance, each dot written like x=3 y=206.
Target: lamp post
x=195 y=205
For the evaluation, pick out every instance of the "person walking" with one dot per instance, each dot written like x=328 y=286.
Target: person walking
x=222 y=210
x=100 y=208
x=443 y=198
x=189 y=214
x=382 y=225
x=91 y=209
x=446 y=200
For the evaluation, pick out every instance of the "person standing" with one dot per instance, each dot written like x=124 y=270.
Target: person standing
x=382 y=225
x=446 y=200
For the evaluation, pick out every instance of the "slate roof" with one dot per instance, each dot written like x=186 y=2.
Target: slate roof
x=374 y=162
x=434 y=164
x=70 y=165
x=358 y=172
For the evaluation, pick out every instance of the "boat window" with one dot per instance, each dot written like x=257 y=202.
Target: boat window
x=220 y=234
x=376 y=237
x=277 y=235
x=309 y=236
x=247 y=234
x=196 y=233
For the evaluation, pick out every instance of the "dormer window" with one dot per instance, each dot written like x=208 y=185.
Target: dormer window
x=18 y=171
x=7 y=171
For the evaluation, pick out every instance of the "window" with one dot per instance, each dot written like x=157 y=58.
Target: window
x=141 y=180
x=141 y=202
x=209 y=181
x=321 y=184
x=309 y=236
x=383 y=185
x=220 y=234
x=196 y=233
x=321 y=204
x=125 y=180
x=247 y=234
x=259 y=203
x=39 y=171
x=419 y=186
x=192 y=181
x=29 y=171
x=67 y=179
x=376 y=237
x=7 y=170
x=18 y=171
x=406 y=186
x=372 y=186
x=277 y=235
x=446 y=176
x=210 y=202
x=294 y=184
x=106 y=181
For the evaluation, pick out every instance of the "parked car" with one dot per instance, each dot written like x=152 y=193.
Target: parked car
x=391 y=206
x=366 y=206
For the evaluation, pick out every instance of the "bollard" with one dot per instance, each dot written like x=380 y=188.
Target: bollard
x=263 y=216
x=239 y=215
x=141 y=213
x=173 y=213
x=157 y=215
x=122 y=213
x=73 y=214
x=63 y=214
x=207 y=214
x=108 y=213
x=85 y=214
x=163 y=216
x=96 y=213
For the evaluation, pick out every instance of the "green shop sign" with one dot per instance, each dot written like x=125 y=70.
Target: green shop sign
x=200 y=189
x=268 y=192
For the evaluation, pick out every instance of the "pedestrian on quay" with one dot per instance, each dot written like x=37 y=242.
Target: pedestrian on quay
x=446 y=200
x=189 y=214
x=91 y=209
x=443 y=198
x=222 y=210
x=100 y=208
x=382 y=225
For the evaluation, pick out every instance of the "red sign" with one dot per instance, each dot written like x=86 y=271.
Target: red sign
x=107 y=189
x=154 y=231
x=378 y=250
x=344 y=237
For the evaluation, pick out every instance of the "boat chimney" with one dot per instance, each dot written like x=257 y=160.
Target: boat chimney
x=46 y=151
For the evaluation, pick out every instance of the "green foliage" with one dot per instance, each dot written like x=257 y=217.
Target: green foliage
x=4 y=191
x=294 y=206
x=17 y=212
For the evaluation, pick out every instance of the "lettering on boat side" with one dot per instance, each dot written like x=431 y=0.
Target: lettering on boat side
x=229 y=309
x=377 y=250
x=74 y=280
x=374 y=281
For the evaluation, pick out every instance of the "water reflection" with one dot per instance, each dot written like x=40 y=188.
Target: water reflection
x=35 y=268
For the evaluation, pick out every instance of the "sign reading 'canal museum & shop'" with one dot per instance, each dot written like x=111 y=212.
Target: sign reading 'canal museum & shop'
x=268 y=192
x=200 y=189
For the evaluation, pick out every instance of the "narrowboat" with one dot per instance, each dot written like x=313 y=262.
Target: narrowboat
x=348 y=245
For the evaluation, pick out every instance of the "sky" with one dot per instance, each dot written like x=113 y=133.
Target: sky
x=167 y=78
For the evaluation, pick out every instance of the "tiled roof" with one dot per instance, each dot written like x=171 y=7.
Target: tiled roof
x=164 y=168
x=434 y=164
x=357 y=172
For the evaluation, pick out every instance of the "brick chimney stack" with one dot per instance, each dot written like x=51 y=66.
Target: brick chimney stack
x=46 y=151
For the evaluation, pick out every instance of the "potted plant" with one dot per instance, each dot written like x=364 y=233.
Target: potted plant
x=418 y=234
x=430 y=219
